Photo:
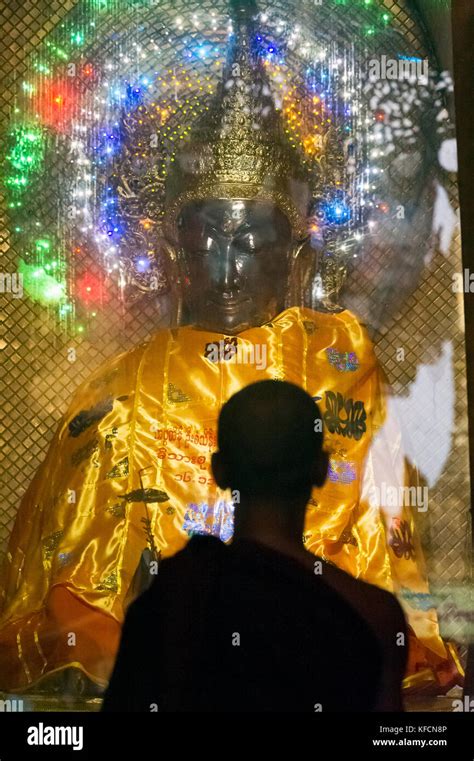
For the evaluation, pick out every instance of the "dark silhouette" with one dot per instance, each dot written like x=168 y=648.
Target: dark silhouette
x=261 y=624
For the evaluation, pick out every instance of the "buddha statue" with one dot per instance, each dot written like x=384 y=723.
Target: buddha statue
x=127 y=477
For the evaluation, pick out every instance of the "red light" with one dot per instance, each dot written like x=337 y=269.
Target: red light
x=91 y=290
x=56 y=103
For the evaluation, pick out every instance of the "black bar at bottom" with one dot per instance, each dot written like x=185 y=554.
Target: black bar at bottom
x=146 y=736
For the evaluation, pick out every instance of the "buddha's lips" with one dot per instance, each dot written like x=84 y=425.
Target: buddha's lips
x=230 y=304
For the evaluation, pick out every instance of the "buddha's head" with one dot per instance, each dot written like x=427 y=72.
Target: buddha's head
x=236 y=262
x=237 y=202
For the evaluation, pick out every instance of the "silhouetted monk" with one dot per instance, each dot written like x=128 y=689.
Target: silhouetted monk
x=261 y=624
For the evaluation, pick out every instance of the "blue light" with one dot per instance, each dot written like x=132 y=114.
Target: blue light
x=335 y=209
x=204 y=50
x=134 y=95
x=142 y=264
x=112 y=224
x=108 y=143
x=201 y=50
x=409 y=58
x=265 y=47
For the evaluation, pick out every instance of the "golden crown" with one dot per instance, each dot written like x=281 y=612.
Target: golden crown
x=238 y=150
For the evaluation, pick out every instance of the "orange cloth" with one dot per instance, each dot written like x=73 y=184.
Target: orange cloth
x=142 y=429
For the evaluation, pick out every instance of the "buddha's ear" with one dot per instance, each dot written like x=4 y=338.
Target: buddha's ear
x=168 y=253
x=219 y=470
x=303 y=260
x=170 y=262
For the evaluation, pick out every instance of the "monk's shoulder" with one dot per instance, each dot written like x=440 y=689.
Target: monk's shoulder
x=378 y=606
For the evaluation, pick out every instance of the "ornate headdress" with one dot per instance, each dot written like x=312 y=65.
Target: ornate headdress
x=238 y=149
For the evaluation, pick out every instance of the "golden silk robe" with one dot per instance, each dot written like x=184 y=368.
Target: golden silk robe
x=130 y=465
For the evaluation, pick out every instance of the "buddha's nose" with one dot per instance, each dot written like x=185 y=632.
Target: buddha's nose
x=228 y=277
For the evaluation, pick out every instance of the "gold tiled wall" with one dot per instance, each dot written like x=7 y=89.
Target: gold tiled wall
x=37 y=380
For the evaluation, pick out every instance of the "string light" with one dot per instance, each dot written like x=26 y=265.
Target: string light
x=74 y=101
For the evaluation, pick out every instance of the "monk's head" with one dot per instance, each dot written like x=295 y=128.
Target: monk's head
x=270 y=451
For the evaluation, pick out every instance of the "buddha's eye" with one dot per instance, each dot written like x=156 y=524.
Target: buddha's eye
x=241 y=263
x=205 y=247
x=246 y=244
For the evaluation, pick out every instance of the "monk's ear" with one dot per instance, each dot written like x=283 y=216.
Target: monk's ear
x=320 y=469
x=219 y=471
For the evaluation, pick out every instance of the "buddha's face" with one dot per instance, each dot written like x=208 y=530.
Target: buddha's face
x=236 y=259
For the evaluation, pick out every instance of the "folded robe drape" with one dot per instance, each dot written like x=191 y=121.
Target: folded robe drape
x=130 y=465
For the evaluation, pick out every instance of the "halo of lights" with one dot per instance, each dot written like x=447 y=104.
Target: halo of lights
x=113 y=59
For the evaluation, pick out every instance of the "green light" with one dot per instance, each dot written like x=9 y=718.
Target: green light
x=59 y=52
x=16 y=182
x=42 y=68
x=80 y=328
x=40 y=286
x=53 y=291
x=26 y=155
x=77 y=38
x=43 y=245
